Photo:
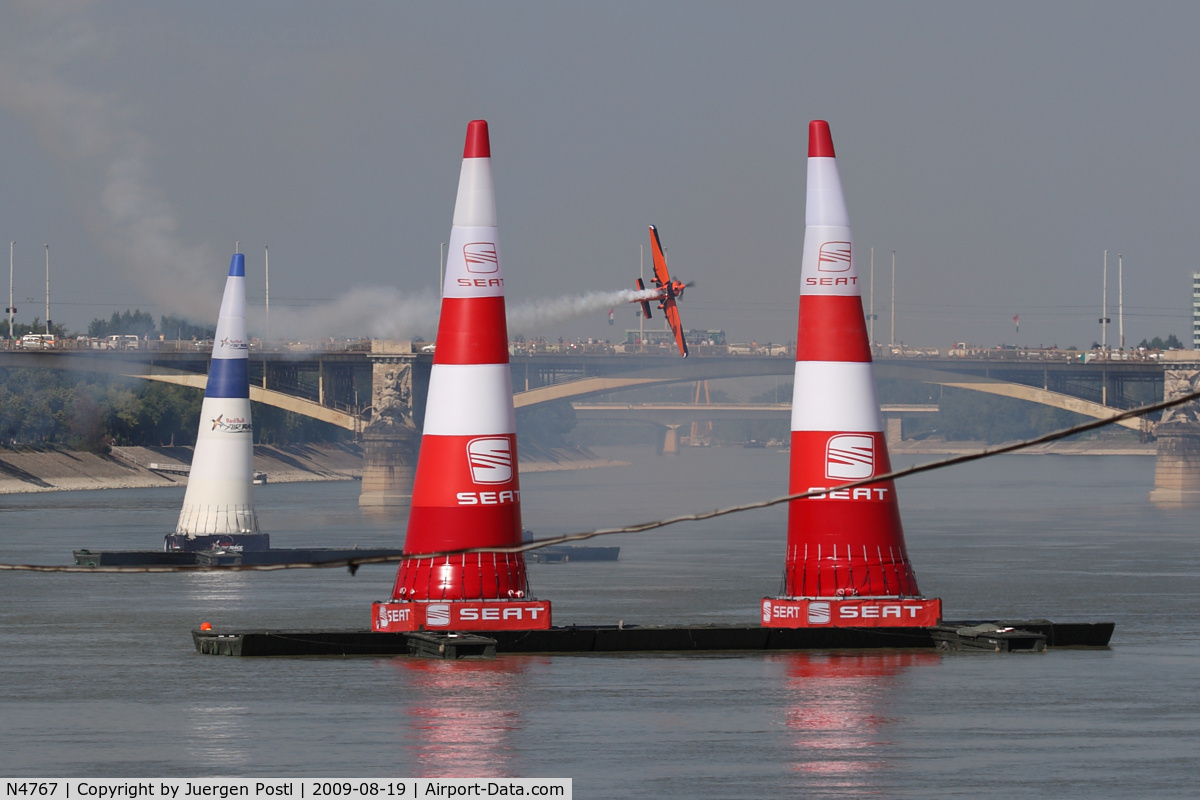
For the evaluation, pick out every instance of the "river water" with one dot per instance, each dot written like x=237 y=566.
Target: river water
x=99 y=678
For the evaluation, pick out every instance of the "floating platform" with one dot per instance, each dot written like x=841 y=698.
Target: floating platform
x=132 y=558
x=634 y=639
x=212 y=558
x=988 y=636
x=450 y=646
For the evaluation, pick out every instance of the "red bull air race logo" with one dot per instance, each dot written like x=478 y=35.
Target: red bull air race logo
x=232 y=424
x=228 y=343
x=491 y=462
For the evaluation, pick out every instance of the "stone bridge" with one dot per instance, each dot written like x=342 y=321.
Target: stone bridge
x=377 y=389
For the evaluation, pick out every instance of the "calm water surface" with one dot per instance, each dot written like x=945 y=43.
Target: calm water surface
x=98 y=676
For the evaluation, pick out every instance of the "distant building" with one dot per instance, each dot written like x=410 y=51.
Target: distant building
x=1196 y=310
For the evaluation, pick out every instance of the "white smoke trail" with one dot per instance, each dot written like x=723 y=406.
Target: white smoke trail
x=375 y=312
x=135 y=223
x=129 y=216
x=534 y=314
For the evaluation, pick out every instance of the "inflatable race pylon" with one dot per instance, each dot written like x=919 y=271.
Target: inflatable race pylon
x=218 y=507
x=846 y=564
x=466 y=492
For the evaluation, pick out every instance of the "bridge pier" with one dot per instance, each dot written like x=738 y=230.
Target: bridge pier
x=1177 y=456
x=670 y=441
x=893 y=427
x=391 y=440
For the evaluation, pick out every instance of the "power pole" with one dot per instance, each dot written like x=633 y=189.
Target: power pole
x=267 y=273
x=1120 y=301
x=1104 y=320
x=893 y=342
x=641 y=317
x=11 y=308
x=47 y=288
x=871 y=309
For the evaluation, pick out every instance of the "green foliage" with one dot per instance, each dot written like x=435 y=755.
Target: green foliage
x=37 y=326
x=1157 y=343
x=276 y=426
x=545 y=425
x=173 y=327
x=121 y=323
x=974 y=416
x=39 y=407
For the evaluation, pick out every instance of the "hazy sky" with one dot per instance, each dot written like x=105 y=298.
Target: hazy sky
x=998 y=148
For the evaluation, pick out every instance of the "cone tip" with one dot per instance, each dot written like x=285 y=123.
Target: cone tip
x=237 y=266
x=478 y=145
x=820 y=142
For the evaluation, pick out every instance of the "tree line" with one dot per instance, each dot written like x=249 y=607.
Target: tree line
x=122 y=323
x=41 y=407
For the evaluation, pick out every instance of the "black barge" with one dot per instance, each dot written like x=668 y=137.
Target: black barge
x=581 y=639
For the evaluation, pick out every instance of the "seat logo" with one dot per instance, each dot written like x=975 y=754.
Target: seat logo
x=818 y=613
x=437 y=615
x=834 y=257
x=850 y=457
x=481 y=257
x=491 y=460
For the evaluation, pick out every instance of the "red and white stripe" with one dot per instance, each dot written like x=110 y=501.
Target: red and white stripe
x=466 y=492
x=845 y=543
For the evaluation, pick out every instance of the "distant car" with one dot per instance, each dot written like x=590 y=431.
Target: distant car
x=39 y=341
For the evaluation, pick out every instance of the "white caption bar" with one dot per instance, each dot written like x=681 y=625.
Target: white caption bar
x=294 y=788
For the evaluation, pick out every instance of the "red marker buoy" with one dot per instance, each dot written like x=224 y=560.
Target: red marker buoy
x=846 y=563
x=466 y=493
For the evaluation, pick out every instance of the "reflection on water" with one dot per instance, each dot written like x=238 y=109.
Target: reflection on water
x=462 y=714
x=217 y=590
x=838 y=712
x=99 y=677
x=220 y=736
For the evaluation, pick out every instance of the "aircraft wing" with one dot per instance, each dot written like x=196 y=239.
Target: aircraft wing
x=645 y=303
x=671 y=309
x=661 y=276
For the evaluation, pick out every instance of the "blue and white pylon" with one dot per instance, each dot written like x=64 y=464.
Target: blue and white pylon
x=218 y=507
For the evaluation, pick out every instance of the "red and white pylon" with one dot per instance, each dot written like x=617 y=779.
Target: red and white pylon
x=846 y=563
x=466 y=493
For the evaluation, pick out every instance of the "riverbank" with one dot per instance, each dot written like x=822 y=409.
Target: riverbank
x=54 y=470
x=1088 y=447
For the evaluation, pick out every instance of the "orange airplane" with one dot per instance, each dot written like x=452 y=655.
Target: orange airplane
x=668 y=290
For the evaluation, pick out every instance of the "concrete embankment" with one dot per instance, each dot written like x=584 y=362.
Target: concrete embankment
x=54 y=470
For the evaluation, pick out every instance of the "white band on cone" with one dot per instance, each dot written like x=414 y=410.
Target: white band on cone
x=469 y=400
x=835 y=396
x=824 y=203
x=475 y=204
